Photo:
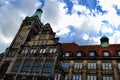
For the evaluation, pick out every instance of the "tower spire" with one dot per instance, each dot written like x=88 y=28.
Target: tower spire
x=38 y=13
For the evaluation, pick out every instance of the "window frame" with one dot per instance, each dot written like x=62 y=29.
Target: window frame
x=92 y=65
x=118 y=65
x=67 y=54
x=91 y=77
x=107 y=66
x=66 y=65
x=118 y=53
x=77 y=76
x=36 y=65
x=107 y=77
x=93 y=53
x=106 y=52
x=78 y=65
x=79 y=53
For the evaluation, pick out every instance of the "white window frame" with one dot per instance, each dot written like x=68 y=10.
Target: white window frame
x=78 y=65
x=77 y=76
x=92 y=65
x=107 y=77
x=107 y=66
x=43 y=50
x=52 y=50
x=91 y=77
x=57 y=76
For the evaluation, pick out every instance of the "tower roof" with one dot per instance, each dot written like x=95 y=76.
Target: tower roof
x=38 y=13
x=104 y=41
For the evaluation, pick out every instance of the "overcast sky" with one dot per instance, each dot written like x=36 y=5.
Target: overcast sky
x=81 y=21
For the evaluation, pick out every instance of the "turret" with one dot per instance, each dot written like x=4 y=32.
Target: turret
x=104 y=41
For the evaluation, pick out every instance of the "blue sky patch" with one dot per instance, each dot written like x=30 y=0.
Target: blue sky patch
x=69 y=6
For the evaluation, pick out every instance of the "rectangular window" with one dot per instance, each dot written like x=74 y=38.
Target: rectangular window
x=107 y=66
x=24 y=51
x=66 y=65
x=57 y=76
x=67 y=54
x=106 y=53
x=32 y=51
x=52 y=50
x=118 y=53
x=78 y=65
x=48 y=67
x=26 y=66
x=16 y=66
x=92 y=53
x=66 y=76
x=37 y=66
x=42 y=51
x=119 y=66
x=91 y=65
x=91 y=77
x=79 y=53
x=77 y=77
x=107 y=77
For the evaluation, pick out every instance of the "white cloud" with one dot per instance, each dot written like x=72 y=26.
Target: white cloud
x=12 y=12
x=85 y=36
x=86 y=27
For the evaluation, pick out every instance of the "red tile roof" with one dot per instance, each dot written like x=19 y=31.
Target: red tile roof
x=73 y=48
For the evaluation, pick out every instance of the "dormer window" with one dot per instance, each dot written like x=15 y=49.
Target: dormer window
x=92 y=53
x=79 y=53
x=118 y=53
x=67 y=54
x=106 y=53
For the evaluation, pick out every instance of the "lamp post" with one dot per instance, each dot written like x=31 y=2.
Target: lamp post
x=23 y=60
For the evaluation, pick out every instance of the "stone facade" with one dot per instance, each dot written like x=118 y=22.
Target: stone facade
x=36 y=54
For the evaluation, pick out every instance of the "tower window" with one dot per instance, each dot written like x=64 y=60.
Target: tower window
x=33 y=51
x=24 y=51
x=36 y=67
x=42 y=51
x=48 y=67
x=16 y=65
x=26 y=66
x=105 y=53
x=52 y=50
